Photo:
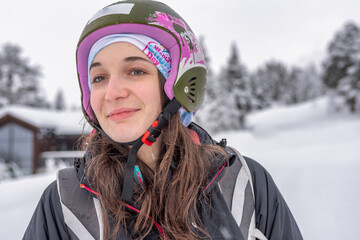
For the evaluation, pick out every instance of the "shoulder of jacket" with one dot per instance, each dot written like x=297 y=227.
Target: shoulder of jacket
x=82 y=212
x=66 y=172
x=239 y=187
x=238 y=178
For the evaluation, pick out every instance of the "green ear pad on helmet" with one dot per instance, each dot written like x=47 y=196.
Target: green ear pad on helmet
x=189 y=89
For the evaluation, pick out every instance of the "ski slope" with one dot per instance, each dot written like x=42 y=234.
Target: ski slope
x=312 y=154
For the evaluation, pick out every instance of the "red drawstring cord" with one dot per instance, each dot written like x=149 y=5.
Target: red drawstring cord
x=129 y=206
x=88 y=189
x=215 y=176
x=155 y=223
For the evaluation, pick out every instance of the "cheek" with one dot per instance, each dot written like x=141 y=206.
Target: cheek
x=154 y=97
x=149 y=91
x=158 y=102
x=95 y=103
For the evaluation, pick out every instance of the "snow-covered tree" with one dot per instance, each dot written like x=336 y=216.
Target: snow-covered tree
x=268 y=83
x=235 y=91
x=342 y=65
x=59 y=103
x=259 y=87
x=302 y=84
x=349 y=88
x=227 y=96
x=18 y=79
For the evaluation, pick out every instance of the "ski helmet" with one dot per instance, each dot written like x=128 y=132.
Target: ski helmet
x=187 y=78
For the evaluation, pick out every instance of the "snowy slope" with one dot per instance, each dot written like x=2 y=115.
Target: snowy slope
x=313 y=156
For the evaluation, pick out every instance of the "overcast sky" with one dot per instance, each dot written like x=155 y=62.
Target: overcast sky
x=292 y=31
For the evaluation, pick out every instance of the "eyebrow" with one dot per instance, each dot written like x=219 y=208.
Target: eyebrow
x=128 y=59
x=94 y=64
x=136 y=58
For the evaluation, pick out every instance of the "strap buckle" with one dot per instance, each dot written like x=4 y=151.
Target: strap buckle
x=151 y=134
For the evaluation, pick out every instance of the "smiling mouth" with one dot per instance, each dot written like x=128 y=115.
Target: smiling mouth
x=122 y=114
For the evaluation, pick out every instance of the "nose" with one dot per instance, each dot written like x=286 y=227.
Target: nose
x=116 y=89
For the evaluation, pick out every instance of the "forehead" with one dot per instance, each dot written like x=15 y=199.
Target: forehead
x=120 y=49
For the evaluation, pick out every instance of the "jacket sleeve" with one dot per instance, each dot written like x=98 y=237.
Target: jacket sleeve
x=47 y=221
x=272 y=215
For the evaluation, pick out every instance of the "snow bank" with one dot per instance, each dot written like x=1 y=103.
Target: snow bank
x=314 y=157
x=18 y=201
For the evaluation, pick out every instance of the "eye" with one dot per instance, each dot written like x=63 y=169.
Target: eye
x=98 y=79
x=137 y=72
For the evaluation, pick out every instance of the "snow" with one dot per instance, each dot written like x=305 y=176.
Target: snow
x=18 y=201
x=312 y=153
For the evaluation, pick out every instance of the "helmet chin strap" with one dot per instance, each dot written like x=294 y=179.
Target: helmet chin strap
x=148 y=138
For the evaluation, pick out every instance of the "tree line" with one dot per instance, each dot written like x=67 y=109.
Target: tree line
x=235 y=91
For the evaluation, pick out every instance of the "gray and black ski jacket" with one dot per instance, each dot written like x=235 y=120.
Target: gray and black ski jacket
x=245 y=205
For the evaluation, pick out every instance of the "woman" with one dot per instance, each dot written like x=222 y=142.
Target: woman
x=148 y=172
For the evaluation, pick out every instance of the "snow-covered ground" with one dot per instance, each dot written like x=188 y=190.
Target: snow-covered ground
x=312 y=154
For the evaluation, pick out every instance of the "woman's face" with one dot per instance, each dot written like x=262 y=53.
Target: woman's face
x=125 y=94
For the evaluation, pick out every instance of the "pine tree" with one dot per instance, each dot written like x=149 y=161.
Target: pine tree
x=18 y=79
x=228 y=96
x=302 y=84
x=342 y=65
x=259 y=88
x=268 y=83
x=59 y=103
x=277 y=76
x=236 y=91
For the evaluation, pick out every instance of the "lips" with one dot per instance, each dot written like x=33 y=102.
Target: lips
x=122 y=113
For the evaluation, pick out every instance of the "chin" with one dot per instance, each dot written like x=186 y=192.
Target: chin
x=124 y=137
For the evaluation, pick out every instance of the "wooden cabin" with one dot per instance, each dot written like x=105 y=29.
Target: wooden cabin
x=28 y=136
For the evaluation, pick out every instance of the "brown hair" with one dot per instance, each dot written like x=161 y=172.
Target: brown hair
x=170 y=201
